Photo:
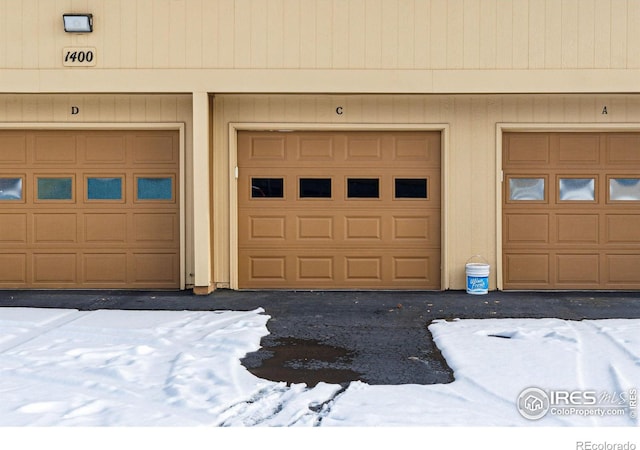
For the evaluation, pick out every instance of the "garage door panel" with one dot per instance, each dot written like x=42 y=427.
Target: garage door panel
x=55 y=148
x=578 y=269
x=105 y=268
x=361 y=148
x=623 y=270
x=316 y=228
x=388 y=228
x=362 y=227
x=527 y=268
x=422 y=268
x=267 y=227
x=100 y=228
x=524 y=149
x=333 y=219
x=623 y=229
x=55 y=228
x=271 y=268
x=104 y=149
x=363 y=268
x=425 y=149
x=527 y=228
x=13 y=269
x=303 y=149
x=13 y=228
x=315 y=268
x=155 y=228
x=13 y=148
x=316 y=148
x=77 y=221
x=422 y=228
x=263 y=228
x=270 y=148
x=594 y=212
x=55 y=268
x=577 y=149
x=577 y=228
x=622 y=149
x=335 y=268
x=154 y=149
x=155 y=268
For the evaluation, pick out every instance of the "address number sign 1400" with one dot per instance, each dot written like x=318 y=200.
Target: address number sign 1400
x=79 y=56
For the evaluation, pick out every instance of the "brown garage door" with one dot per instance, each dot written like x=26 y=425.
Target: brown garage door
x=332 y=210
x=571 y=211
x=89 y=209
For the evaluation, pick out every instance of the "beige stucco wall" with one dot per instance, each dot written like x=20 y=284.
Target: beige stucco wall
x=471 y=152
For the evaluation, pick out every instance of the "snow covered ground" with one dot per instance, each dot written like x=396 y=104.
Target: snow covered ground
x=105 y=369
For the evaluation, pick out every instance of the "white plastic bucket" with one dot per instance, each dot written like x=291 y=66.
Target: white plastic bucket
x=477 y=276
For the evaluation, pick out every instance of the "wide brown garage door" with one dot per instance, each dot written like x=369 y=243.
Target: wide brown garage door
x=89 y=209
x=571 y=211
x=334 y=210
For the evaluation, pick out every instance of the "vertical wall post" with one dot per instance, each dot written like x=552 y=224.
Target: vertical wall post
x=201 y=181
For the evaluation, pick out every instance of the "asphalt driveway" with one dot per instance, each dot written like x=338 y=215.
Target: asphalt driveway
x=375 y=337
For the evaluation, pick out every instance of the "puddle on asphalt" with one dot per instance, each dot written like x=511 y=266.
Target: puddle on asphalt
x=307 y=361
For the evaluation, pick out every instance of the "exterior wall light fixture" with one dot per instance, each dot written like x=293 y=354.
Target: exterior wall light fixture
x=78 y=23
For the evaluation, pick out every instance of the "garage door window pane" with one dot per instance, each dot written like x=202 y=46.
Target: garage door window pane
x=624 y=189
x=267 y=188
x=55 y=188
x=155 y=188
x=411 y=188
x=10 y=188
x=526 y=189
x=363 y=188
x=104 y=188
x=581 y=189
x=315 y=187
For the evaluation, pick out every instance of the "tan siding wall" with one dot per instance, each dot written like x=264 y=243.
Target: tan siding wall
x=470 y=193
x=329 y=34
x=111 y=109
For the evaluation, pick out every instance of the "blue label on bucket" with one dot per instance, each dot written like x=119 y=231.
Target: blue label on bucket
x=477 y=284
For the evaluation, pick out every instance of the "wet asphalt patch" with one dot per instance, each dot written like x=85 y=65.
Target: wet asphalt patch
x=306 y=361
